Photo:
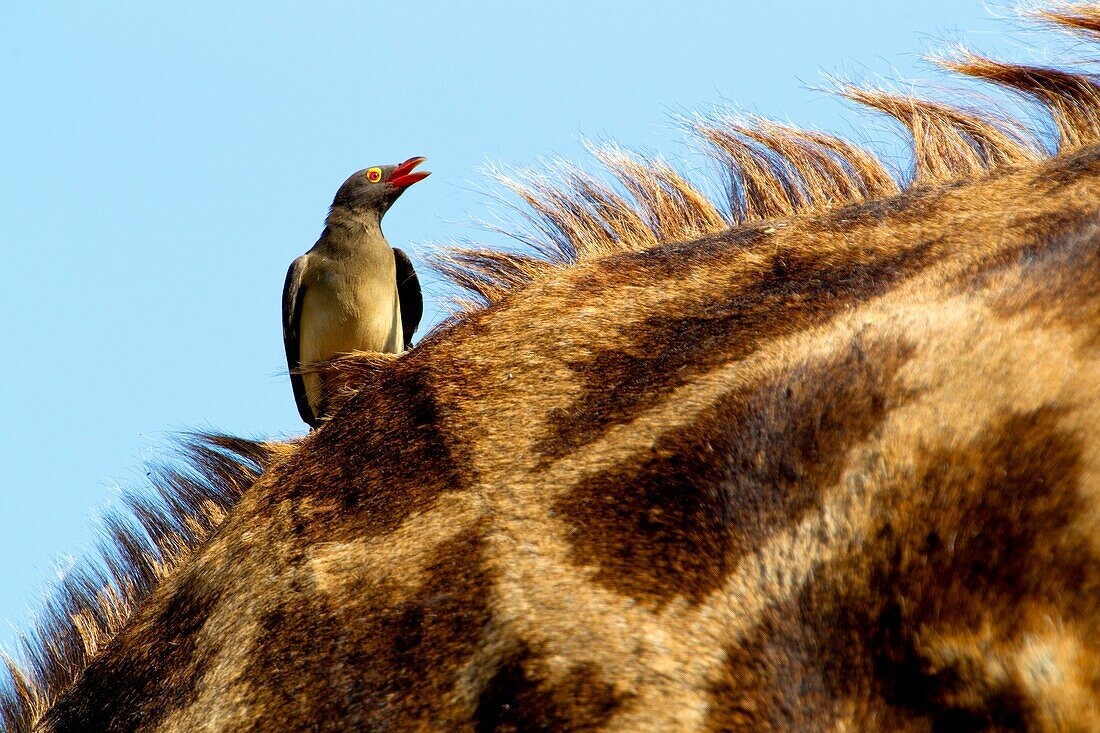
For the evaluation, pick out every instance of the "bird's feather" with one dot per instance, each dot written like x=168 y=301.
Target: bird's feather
x=410 y=295
x=293 y=293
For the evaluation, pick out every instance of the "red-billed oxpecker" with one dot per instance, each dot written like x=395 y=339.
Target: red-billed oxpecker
x=351 y=291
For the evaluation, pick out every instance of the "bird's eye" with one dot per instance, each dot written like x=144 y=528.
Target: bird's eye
x=374 y=175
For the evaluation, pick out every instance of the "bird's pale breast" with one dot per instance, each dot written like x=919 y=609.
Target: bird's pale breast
x=347 y=309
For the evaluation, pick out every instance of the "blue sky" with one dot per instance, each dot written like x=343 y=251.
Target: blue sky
x=162 y=164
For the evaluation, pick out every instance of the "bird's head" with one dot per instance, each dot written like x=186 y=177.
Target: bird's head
x=372 y=191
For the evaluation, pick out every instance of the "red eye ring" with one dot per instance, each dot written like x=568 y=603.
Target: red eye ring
x=374 y=175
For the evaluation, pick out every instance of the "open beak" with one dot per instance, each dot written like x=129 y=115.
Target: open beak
x=403 y=176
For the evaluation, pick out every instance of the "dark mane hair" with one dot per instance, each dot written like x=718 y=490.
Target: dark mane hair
x=145 y=541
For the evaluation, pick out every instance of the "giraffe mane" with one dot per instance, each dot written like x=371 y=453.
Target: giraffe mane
x=145 y=541
x=775 y=170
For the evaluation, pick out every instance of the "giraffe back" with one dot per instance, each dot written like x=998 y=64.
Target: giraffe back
x=838 y=472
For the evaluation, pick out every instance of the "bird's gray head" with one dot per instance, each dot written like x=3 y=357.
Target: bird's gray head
x=371 y=191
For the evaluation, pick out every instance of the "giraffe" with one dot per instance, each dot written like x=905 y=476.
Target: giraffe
x=821 y=456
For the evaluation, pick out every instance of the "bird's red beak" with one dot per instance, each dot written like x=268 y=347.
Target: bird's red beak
x=403 y=177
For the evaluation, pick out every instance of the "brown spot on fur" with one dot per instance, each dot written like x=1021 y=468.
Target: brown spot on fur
x=1012 y=504
x=374 y=656
x=795 y=291
x=981 y=546
x=1058 y=282
x=1052 y=273
x=774 y=681
x=520 y=697
x=679 y=521
x=159 y=671
x=393 y=423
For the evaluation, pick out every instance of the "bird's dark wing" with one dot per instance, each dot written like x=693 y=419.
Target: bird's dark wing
x=292 y=317
x=408 y=292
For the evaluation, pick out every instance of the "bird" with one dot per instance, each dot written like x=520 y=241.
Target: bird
x=351 y=291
